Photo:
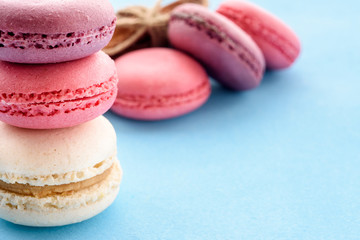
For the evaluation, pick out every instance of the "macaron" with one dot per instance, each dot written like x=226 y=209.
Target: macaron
x=49 y=31
x=57 y=95
x=227 y=52
x=278 y=42
x=58 y=176
x=159 y=83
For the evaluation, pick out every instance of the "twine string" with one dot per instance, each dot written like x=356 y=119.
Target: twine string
x=139 y=26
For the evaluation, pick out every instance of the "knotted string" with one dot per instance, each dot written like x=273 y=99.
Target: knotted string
x=140 y=27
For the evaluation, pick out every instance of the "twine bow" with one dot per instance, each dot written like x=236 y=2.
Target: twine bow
x=140 y=27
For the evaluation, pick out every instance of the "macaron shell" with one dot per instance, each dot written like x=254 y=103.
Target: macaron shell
x=54 y=30
x=160 y=112
x=159 y=83
x=54 y=16
x=34 y=156
x=228 y=53
x=23 y=78
x=57 y=95
x=61 y=210
x=277 y=41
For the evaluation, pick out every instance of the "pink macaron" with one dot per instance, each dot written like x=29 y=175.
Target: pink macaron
x=228 y=53
x=277 y=41
x=49 y=31
x=57 y=95
x=159 y=83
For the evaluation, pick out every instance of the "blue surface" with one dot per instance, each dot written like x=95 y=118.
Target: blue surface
x=278 y=162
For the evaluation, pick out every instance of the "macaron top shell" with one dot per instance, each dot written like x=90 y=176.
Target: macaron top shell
x=158 y=66
x=42 y=156
x=54 y=16
x=24 y=79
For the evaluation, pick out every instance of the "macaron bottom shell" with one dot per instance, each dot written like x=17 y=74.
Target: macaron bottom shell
x=59 y=210
x=59 y=114
x=161 y=107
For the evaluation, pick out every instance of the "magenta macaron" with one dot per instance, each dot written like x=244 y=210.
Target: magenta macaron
x=49 y=31
x=57 y=95
x=227 y=52
x=159 y=83
x=277 y=41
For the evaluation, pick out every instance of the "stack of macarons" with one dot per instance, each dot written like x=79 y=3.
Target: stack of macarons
x=235 y=45
x=58 y=159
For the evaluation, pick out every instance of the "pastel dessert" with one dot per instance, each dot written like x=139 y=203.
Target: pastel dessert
x=159 y=83
x=57 y=95
x=59 y=176
x=49 y=31
x=227 y=52
x=278 y=42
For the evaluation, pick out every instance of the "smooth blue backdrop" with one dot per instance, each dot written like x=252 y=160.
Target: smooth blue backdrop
x=277 y=162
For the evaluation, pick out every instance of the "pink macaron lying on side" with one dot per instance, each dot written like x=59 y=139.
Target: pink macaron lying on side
x=228 y=53
x=159 y=83
x=57 y=95
x=277 y=41
x=50 y=31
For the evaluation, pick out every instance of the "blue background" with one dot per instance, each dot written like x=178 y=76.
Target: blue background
x=277 y=162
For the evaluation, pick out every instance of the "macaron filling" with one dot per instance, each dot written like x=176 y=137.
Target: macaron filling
x=19 y=40
x=50 y=190
x=56 y=102
x=215 y=32
x=75 y=200
x=259 y=29
x=133 y=101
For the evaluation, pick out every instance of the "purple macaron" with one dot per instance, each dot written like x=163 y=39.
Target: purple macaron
x=50 y=31
x=228 y=53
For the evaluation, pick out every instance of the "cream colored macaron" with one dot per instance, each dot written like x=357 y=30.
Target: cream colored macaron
x=60 y=176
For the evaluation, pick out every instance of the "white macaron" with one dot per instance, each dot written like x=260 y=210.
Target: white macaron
x=60 y=176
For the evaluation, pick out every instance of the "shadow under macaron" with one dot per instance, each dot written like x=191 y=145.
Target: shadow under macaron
x=222 y=106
